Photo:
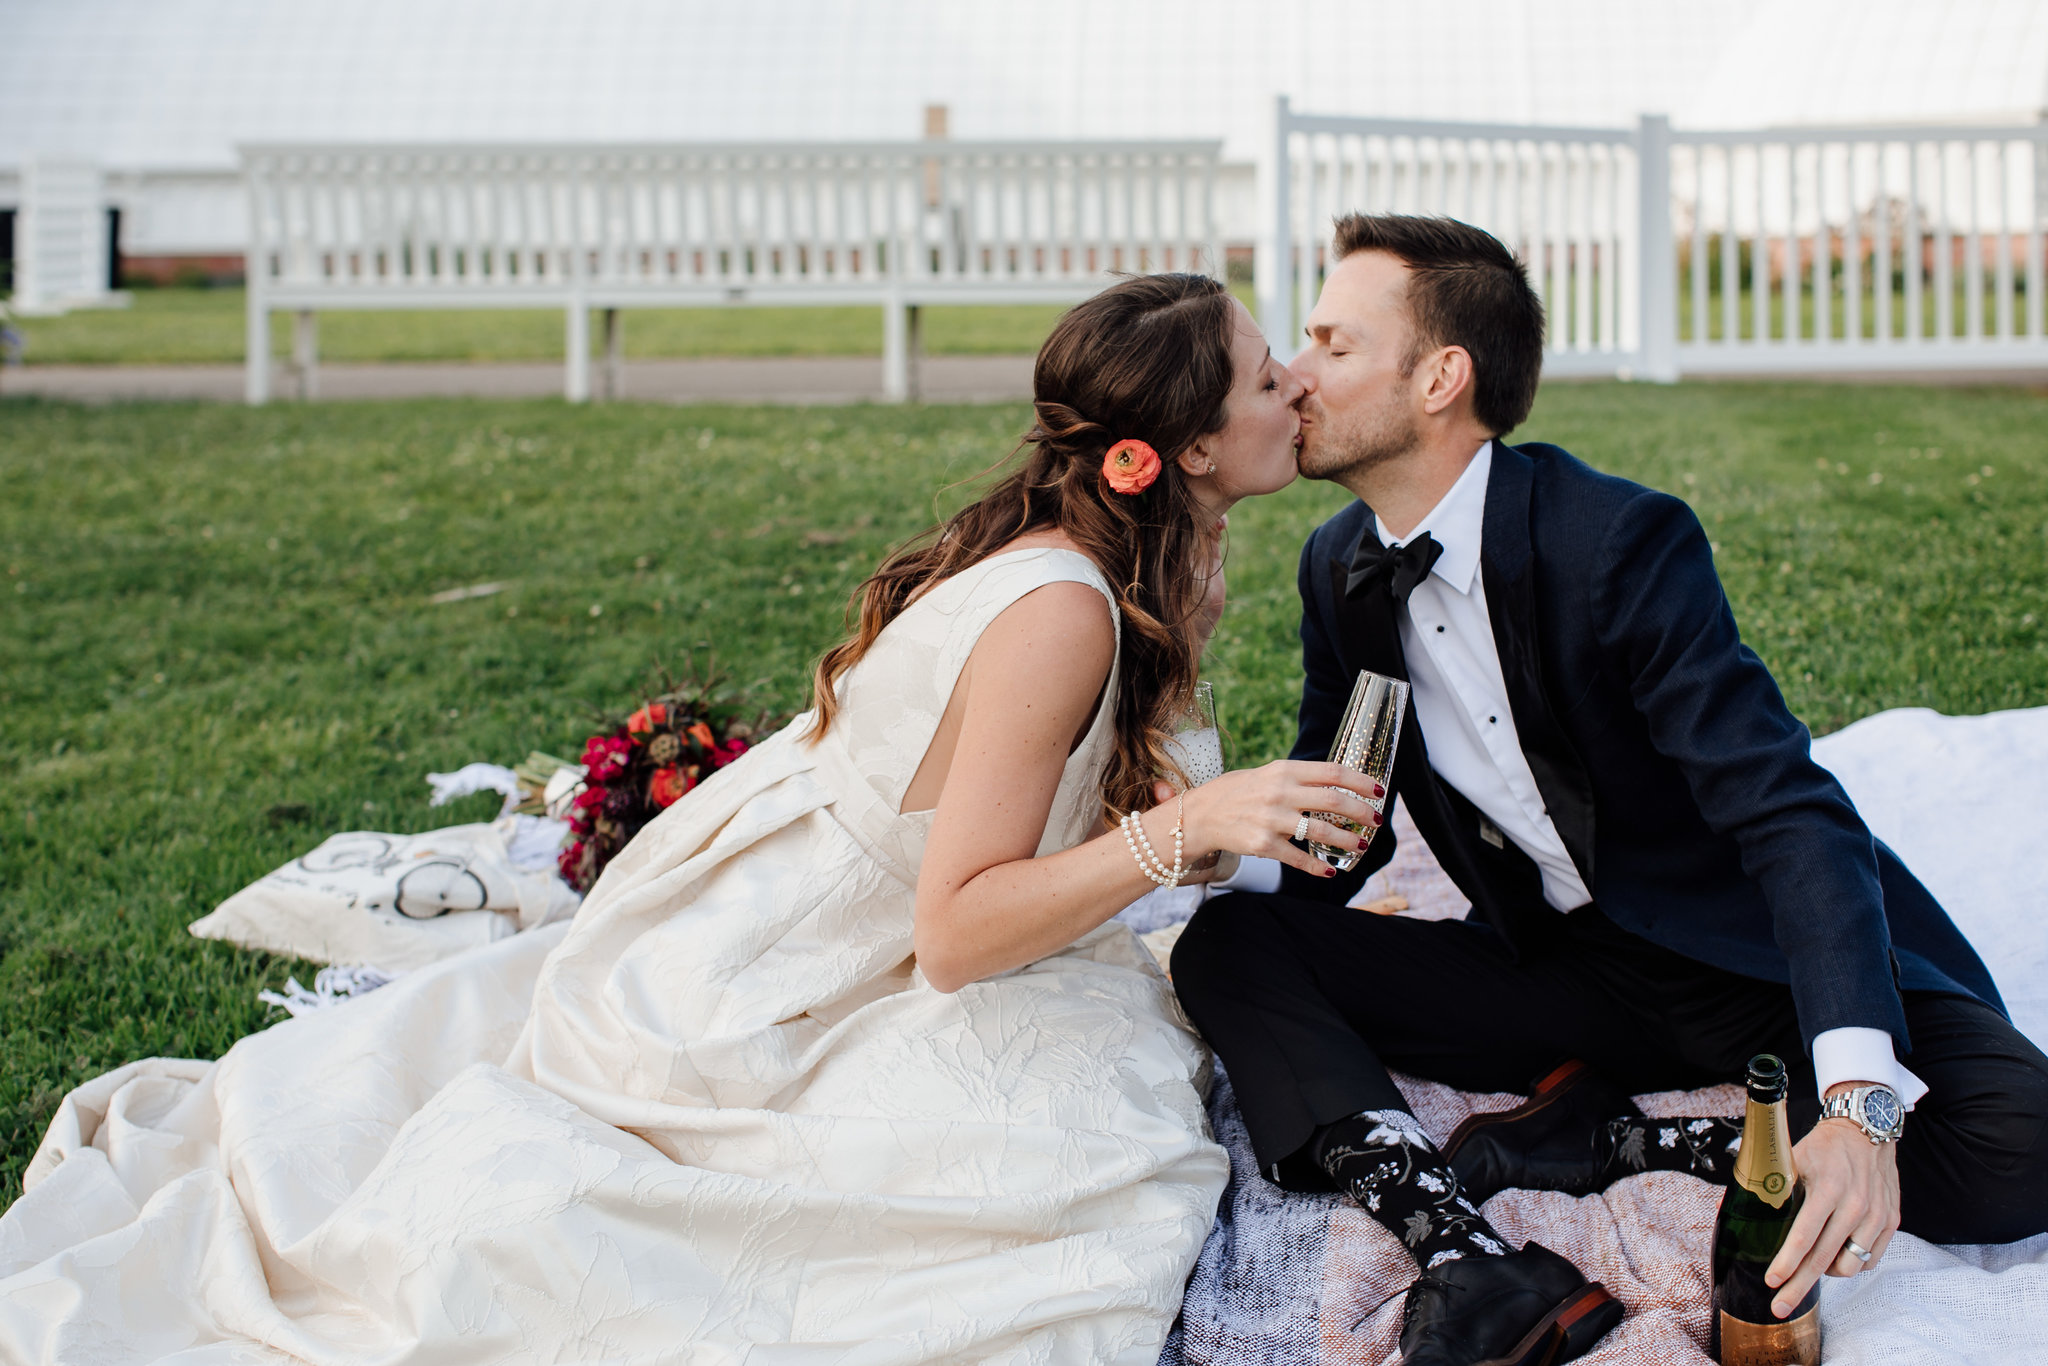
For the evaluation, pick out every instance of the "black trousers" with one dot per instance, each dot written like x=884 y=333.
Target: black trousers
x=1308 y=1005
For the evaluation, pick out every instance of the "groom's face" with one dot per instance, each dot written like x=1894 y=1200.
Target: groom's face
x=1360 y=407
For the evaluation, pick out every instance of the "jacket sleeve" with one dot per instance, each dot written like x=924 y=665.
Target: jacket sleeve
x=1325 y=690
x=1713 y=708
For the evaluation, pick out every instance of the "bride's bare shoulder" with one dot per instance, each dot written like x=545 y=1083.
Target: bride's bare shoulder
x=1049 y=538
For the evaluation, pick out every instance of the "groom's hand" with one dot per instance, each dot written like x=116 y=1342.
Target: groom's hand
x=1852 y=1192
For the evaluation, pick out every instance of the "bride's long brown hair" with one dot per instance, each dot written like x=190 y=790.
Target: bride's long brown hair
x=1149 y=357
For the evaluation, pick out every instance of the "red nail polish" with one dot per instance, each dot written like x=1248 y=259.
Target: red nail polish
x=1378 y=820
x=1379 y=789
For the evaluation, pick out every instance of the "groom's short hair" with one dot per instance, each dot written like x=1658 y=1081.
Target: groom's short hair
x=1464 y=289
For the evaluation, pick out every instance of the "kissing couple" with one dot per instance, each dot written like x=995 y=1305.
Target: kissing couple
x=843 y=1061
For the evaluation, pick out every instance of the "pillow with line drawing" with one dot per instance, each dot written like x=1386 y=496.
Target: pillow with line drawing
x=399 y=901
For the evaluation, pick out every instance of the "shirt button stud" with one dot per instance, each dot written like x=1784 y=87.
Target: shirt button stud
x=1493 y=720
x=1439 y=630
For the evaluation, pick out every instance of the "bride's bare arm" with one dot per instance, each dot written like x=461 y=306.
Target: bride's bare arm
x=984 y=902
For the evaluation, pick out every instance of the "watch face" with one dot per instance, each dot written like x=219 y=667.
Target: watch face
x=1881 y=1110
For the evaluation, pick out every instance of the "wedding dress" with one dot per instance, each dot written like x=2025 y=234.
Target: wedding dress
x=718 y=1117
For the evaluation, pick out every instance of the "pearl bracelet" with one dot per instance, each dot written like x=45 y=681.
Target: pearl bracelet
x=1149 y=862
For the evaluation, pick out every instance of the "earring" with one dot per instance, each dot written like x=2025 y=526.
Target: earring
x=1211 y=469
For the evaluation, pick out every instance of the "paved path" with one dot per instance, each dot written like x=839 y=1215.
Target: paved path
x=795 y=379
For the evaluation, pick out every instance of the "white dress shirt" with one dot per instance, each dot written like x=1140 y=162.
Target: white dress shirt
x=1461 y=703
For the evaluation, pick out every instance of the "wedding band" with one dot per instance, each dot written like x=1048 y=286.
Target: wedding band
x=1858 y=1251
x=1301 y=827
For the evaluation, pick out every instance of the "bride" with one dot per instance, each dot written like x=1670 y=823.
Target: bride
x=840 y=1061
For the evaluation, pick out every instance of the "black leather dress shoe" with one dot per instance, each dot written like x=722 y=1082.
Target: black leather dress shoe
x=1556 y=1140
x=1529 y=1308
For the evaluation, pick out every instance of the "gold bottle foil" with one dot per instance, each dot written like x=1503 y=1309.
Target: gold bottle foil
x=1764 y=1165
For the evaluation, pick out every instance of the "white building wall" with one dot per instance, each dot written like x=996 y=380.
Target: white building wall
x=159 y=92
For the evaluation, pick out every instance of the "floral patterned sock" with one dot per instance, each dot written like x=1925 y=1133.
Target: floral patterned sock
x=1704 y=1147
x=1384 y=1161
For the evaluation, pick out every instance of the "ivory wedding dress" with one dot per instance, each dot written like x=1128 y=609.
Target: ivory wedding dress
x=719 y=1117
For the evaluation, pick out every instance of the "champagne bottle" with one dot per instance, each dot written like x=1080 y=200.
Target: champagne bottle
x=1756 y=1213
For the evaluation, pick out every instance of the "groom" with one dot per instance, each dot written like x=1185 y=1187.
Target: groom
x=1663 y=881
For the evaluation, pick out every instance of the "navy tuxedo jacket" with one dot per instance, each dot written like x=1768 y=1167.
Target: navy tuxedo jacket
x=1678 y=780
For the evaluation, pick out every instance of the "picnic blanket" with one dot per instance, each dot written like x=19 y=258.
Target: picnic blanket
x=1302 y=1278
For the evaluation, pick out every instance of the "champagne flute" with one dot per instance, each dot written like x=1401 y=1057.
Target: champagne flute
x=1365 y=742
x=1196 y=744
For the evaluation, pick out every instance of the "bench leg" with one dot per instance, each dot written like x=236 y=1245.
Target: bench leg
x=614 y=356
x=576 y=335
x=256 y=356
x=895 y=354
x=306 y=352
x=913 y=387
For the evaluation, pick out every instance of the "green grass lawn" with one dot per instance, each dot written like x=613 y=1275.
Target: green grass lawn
x=214 y=616
x=198 y=326
x=204 y=326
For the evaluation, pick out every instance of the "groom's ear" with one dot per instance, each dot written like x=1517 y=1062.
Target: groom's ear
x=1446 y=377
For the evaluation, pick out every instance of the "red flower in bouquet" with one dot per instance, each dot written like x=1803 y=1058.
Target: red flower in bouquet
x=725 y=751
x=605 y=757
x=667 y=784
x=643 y=721
x=701 y=733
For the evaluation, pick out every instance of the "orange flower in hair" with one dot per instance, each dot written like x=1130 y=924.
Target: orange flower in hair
x=1130 y=466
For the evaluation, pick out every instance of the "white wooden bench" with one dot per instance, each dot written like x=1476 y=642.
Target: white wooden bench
x=900 y=225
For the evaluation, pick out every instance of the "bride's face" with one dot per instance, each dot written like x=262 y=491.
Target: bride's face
x=1254 y=451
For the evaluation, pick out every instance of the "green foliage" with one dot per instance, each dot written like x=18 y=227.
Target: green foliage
x=216 y=645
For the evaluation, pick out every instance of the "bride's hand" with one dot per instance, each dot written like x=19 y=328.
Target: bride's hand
x=1256 y=811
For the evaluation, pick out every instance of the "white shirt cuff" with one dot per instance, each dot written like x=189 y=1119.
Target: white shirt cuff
x=1854 y=1053
x=1254 y=874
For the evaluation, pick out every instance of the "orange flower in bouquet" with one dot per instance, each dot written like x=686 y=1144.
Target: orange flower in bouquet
x=669 y=783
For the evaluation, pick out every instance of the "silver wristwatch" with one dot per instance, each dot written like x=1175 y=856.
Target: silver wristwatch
x=1875 y=1109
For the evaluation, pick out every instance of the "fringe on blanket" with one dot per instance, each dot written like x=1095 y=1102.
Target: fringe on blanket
x=331 y=986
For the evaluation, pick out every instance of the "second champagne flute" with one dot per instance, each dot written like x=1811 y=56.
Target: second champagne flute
x=1366 y=740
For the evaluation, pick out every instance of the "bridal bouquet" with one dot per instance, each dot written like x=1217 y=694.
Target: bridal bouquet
x=638 y=767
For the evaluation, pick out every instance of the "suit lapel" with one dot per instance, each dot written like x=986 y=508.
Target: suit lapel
x=1507 y=565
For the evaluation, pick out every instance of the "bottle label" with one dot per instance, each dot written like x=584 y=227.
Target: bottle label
x=1792 y=1342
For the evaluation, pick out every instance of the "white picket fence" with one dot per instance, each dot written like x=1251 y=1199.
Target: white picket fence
x=899 y=225
x=60 y=239
x=1661 y=252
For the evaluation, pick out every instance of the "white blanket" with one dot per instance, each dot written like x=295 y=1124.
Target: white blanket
x=1310 y=1278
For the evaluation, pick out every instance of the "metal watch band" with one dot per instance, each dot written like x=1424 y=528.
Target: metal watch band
x=1851 y=1105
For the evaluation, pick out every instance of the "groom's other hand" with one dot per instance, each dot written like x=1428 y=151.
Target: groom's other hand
x=1852 y=1192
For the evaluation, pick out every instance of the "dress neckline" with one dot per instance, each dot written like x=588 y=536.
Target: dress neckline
x=1097 y=578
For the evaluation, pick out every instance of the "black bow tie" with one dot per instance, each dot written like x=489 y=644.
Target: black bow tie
x=1400 y=569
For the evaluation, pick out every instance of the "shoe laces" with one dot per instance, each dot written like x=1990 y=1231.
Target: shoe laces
x=1424 y=1282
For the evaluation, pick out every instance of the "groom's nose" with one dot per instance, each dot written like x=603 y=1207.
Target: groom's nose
x=1304 y=377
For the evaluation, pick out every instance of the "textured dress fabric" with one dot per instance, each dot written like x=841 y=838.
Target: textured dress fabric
x=719 y=1117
